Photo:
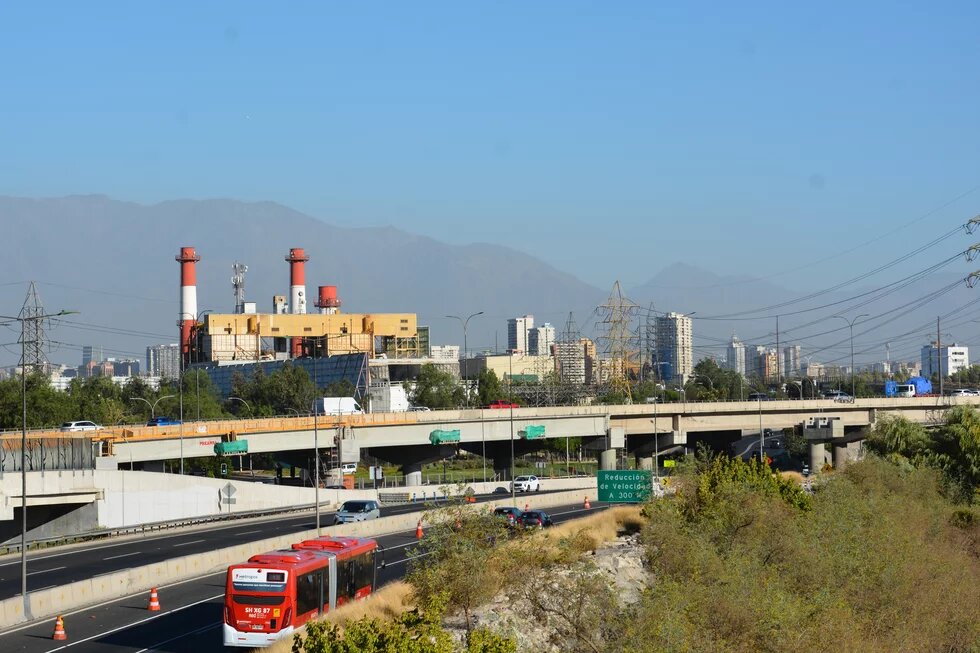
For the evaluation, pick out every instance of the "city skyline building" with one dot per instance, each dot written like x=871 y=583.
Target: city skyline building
x=674 y=347
x=791 y=361
x=540 y=340
x=518 y=333
x=163 y=361
x=951 y=358
x=735 y=358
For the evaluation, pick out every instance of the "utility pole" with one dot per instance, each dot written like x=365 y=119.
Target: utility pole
x=31 y=321
x=939 y=357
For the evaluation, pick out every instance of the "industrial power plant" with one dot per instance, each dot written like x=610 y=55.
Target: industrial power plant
x=287 y=330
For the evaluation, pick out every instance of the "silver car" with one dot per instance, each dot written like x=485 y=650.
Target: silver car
x=80 y=426
x=357 y=510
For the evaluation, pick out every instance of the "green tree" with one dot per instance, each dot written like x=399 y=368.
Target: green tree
x=436 y=388
x=287 y=389
x=489 y=388
x=458 y=558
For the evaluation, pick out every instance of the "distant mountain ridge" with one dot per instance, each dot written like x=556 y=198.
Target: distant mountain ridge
x=114 y=262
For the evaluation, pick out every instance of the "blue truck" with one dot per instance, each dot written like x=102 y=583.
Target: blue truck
x=917 y=386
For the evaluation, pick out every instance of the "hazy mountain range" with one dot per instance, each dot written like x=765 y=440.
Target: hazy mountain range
x=114 y=262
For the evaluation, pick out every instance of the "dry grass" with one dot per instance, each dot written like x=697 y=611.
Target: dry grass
x=795 y=476
x=554 y=545
x=385 y=604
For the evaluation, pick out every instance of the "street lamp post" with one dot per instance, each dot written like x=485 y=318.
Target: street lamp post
x=152 y=406
x=24 y=319
x=850 y=325
x=465 y=324
x=762 y=436
x=244 y=402
x=316 y=446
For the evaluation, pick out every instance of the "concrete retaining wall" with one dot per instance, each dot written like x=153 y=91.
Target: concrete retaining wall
x=58 y=600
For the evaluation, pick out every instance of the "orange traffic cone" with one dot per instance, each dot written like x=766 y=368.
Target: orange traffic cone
x=59 y=629
x=154 y=605
x=587 y=506
x=418 y=531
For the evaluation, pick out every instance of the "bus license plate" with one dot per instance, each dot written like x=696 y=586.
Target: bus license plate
x=256 y=626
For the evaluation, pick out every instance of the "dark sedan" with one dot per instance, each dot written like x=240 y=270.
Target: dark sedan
x=535 y=519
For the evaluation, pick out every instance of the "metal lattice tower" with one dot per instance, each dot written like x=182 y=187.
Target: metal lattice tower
x=33 y=336
x=619 y=341
x=238 y=283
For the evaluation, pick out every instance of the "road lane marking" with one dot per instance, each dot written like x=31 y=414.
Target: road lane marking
x=136 y=623
x=44 y=571
x=191 y=542
x=250 y=532
x=134 y=553
x=87 y=608
x=203 y=629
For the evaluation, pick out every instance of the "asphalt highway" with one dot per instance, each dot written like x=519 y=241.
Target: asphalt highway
x=63 y=565
x=190 y=618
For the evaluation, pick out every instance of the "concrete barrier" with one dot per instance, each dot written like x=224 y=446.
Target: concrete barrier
x=58 y=600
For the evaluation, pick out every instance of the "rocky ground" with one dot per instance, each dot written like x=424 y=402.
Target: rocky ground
x=619 y=563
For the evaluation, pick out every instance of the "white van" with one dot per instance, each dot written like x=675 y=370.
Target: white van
x=337 y=406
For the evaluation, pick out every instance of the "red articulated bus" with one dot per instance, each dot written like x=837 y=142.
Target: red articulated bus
x=271 y=595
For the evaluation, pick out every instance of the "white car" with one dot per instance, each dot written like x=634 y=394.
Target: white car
x=962 y=392
x=360 y=510
x=80 y=426
x=526 y=484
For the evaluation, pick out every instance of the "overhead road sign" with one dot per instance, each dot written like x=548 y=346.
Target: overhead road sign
x=440 y=436
x=226 y=448
x=532 y=432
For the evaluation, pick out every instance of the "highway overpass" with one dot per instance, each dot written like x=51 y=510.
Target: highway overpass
x=405 y=438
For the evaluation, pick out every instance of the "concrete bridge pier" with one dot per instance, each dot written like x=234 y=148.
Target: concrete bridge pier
x=845 y=452
x=817 y=456
x=644 y=462
x=607 y=459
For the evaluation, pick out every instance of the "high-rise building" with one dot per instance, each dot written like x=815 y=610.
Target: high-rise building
x=571 y=361
x=126 y=367
x=88 y=355
x=163 y=361
x=769 y=362
x=791 y=361
x=754 y=360
x=540 y=339
x=952 y=358
x=736 y=356
x=518 y=329
x=675 y=354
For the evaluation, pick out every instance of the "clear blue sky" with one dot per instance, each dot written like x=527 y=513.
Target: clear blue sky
x=608 y=138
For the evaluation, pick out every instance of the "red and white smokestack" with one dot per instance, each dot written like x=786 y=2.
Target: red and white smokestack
x=297 y=280
x=297 y=290
x=188 y=259
x=327 y=300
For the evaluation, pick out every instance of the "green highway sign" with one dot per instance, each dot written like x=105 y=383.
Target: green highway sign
x=227 y=448
x=440 y=436
x=625 y=485
x=532 y=432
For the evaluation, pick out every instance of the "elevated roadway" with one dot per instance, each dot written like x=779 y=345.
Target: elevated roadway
x=404 y=438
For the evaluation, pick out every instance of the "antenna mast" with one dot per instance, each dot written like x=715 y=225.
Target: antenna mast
x=238 y=283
